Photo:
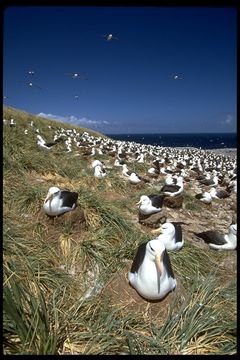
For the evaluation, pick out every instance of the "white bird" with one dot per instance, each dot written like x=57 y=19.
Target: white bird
x=58 y=202
x=125 y=170
x=150 y=204
x=221 y=194
x=76 y=75
x=205 y=197
x=12 y=122
x=97 y=162
x=110 y=37
x=176 y=77
x=175 y=189
x=99 y=172
x=218 y=241
x=151 y=273
x=170 y=180
x=42 y=143
x=134 y=179
x=171 y=235
x=30 y=84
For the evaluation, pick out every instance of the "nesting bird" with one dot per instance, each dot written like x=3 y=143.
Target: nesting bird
x=218 y=241
x=58 y=202
x=174 y=189
x=99 y=172
x=42 y=143
x=151 y=272
x=204 y=197
x=171 y=235
x=221 y=194
x=150 y=204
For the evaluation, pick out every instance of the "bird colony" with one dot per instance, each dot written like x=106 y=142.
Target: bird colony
x=211 y=178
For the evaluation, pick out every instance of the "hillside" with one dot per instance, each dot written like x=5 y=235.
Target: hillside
x=65 y=279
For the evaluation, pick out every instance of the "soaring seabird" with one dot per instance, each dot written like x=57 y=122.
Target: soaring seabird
x=58 y=202
x=218 y=241
x=76 y=75
x=171 y=235
x=150 y=204
x=110 y=37
x=30 y=84
x=151 y=273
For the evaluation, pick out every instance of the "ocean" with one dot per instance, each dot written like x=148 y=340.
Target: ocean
x=204 y=141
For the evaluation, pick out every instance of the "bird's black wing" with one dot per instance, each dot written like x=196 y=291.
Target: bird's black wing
x=212 y=236
x=138 y=259
x=223 y=194
x=178 y=231
x=157 y=200
x=69 y=198
x=170 y=188
x=167 y=264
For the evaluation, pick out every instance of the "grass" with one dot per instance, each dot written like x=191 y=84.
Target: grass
x=49 y=266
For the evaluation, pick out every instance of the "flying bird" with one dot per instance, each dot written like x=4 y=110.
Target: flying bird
x=58 y=202
x=110 y=37
x=30 y=84
x=151 y=273
x=76 y=75
x=31 y=72
x=176 y=77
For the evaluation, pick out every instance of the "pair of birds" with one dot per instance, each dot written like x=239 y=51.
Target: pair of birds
x=207 y=196
x=151 y=272
x=132 y=176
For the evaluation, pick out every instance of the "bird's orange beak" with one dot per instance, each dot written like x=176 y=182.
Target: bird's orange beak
x=157 y=231
x=138 y=203
x=49 y=197
x=160 y=270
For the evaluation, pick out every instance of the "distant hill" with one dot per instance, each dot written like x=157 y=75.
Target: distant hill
x=10 y=112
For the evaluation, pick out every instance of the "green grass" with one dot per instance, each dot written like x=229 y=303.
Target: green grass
x=48 y=266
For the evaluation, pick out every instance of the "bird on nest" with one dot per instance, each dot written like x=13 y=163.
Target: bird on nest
x=58 y=202
x=219 y=241
x=151 y=272
x=150 y=204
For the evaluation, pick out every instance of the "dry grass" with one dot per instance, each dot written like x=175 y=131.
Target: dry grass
x=65 y=284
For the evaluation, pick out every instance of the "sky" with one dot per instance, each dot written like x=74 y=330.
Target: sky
x=170 y=70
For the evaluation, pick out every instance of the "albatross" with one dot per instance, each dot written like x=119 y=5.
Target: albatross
x=151 y=272
x=219 y=241
x=150 y=204
x=58 y=202
x=171 y=235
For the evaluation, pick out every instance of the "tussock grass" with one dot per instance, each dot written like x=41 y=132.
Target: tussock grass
x=54 y=272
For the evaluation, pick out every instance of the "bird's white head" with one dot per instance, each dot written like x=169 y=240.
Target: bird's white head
x=52 y=190
x=144 y=200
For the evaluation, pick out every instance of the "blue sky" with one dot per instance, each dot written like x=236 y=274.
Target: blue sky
x=129 y=88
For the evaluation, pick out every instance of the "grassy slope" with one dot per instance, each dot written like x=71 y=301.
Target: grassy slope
x=44 y=310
